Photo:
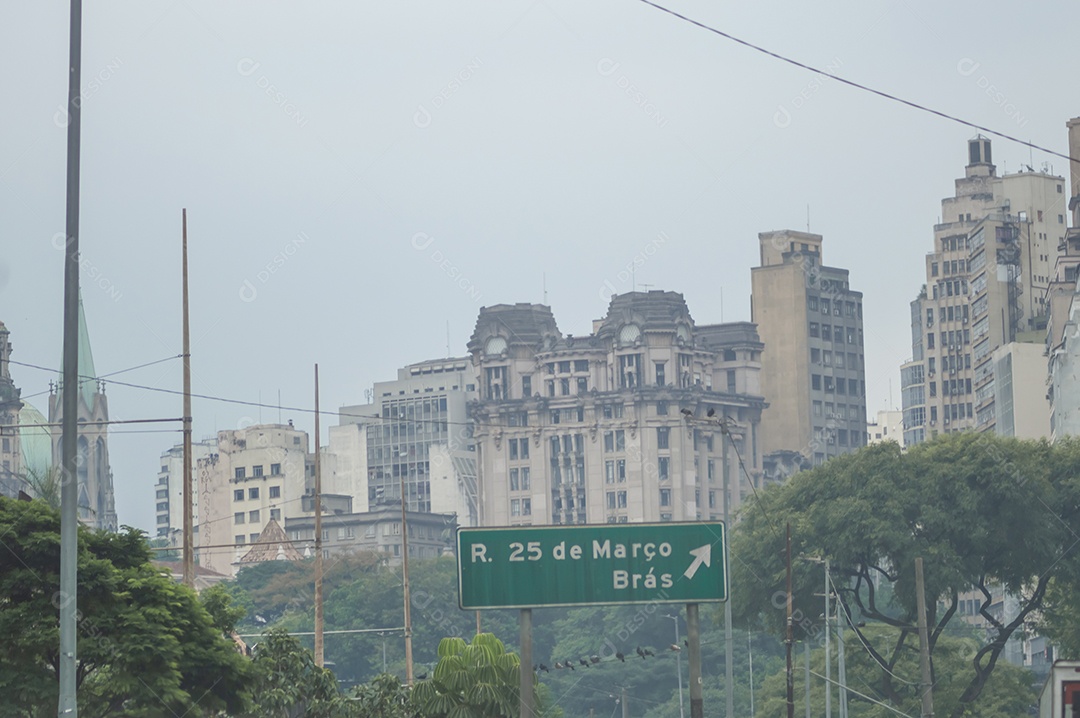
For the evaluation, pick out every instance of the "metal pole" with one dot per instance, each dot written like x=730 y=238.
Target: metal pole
x=405 y=587
x=678 y=662
x=790 y=634
x=729 y=641
x=750 y=653
x=842 y=675
x=693 y=636
x=69 y=491
x=478 y=623
x=526 y=697
x=189 y=513
x=828 y=652
x=318 y=535
x=926 y=684
x=806 y=646
x=625 y=707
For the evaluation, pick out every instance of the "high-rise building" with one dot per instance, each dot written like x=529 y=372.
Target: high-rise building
x=97 y=506
x=169 y=490
x=254 y=474
x=1063 y=300
x=986 y=286
x=813 y=370
x=648 y=418
x=418 y=432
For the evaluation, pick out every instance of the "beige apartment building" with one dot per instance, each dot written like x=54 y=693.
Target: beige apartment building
x=986 y=286
x=1063 y=300
x=644 y=419
x=813 y=372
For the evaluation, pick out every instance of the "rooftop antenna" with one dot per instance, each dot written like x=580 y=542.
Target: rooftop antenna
x=545 y=288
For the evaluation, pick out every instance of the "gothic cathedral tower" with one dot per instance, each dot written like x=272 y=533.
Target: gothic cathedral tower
x=96 y=501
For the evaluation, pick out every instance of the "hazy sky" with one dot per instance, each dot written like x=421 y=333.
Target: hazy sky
x=360 y=175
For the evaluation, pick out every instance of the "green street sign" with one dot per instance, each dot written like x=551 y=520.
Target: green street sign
x=537 y=566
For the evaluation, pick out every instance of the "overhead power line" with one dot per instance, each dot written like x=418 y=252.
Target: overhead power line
x=852 y=83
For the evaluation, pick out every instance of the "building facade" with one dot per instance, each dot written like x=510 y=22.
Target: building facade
x=11 y=479
x=888 y=425
x=253 y=475
x=648 y=418
x=1063 y=300
x=813 y=371
x=418 y=433
x=430 y=535
x=986 y=285
x=169 y=491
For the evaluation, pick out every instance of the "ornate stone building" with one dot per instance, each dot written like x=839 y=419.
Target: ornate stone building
x=645 y=419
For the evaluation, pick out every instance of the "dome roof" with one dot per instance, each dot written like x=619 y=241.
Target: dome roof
x=35 y=441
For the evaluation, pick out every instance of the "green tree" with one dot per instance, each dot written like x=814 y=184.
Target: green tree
x=288 y=684
x=383 y=697
x=146 y=646
x=1008 y=693
x=981 y=511
x=472 y=680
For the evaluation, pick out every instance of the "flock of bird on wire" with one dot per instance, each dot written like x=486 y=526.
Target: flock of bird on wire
x=619 y=656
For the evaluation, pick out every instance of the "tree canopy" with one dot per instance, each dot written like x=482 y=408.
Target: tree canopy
x=146 y=645
x=982 y=511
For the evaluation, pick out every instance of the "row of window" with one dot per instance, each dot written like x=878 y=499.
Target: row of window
x=953 y=266
x=838 y=411
x=836 y=307
x=837 y=385
x=827 y=358
x=957 y=337
x=253 y=493
x=254 y=517
x=240 y=472
x=836 y=334
x=951 y=387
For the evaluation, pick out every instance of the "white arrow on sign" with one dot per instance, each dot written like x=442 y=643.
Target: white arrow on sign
x=702 y=555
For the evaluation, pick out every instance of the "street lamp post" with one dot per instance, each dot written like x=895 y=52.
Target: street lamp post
x=678 y=661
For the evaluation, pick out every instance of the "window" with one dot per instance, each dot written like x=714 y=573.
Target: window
x=812 y=304
x=611 y=499
x=238 y=517
x=815 y=330
x=661 y=408
x=253 y=516
x=257 y=470
x=238 y=495
x=275 y=469
x=829 y=385
x=663 y=468
x=665 y=498
x=817 y=408
x=515 y=480
x=621 y=499
x=663 y=437
x=238 y=539
x=930 y=340
x=275 y=514
x=609 y=441
x=515 y=507
x=239 y=472
x=826 y=358
x=620 y=440
x=815 y=382
x=609 y=472
x=253 y=492
x=660 y=373
x=731 y=381
x=581 y=365
x=564 y=386
x=825 y=306
x=620 y=470
x=526 y=507
x=582 y=385
x=815 y=356
x=526 y=387
x=275 y=492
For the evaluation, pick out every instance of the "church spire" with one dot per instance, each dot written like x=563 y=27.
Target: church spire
x=86 y=371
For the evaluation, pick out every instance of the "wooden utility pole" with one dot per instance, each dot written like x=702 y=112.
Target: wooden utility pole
x=318 y=535
x=790 y=634
x=405 y=587
x=526 y=697
x=693 y=640
x=926 y=683
x=189 y=494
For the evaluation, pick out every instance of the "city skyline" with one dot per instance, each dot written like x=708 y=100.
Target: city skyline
x=529 y=149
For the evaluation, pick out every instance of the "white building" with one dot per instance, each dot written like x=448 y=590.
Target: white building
x=887 y=426
x=169 y=491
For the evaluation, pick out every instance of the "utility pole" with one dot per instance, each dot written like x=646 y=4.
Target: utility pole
x=189 y=513
x=828 y=652
x=67 y=706
x=842 y=675
x=318 y=535
x=806 y=681
x=693 y=636
x=405 y=587
x=790 y=634
x=729 y=642
x=678 y=662
x=926 y=684
x=526 y=697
